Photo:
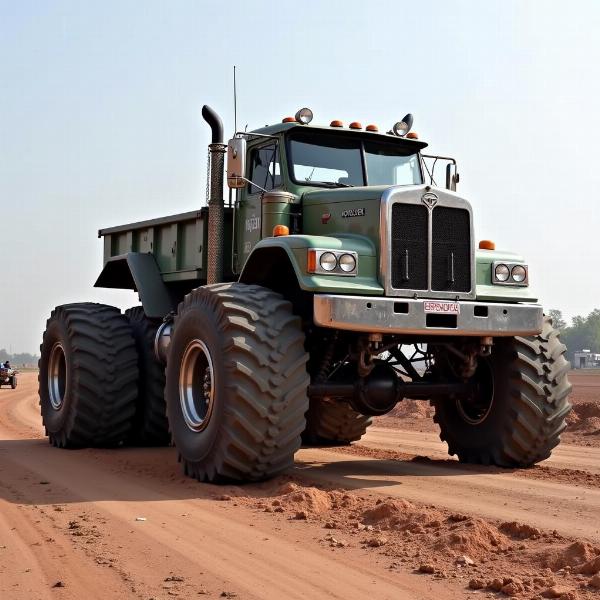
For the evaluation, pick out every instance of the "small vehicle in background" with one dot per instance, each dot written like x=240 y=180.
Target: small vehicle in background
x=8 y=376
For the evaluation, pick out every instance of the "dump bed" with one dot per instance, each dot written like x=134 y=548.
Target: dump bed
x=177 y=242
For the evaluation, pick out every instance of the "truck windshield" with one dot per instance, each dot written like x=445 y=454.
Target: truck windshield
x=340 y=161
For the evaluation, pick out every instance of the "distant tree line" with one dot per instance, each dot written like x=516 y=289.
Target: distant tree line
x=582 y=334
x=21 y=358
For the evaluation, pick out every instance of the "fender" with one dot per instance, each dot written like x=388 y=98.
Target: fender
x=139 y=271
x=268 y=255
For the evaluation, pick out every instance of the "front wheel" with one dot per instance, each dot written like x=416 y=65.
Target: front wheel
x=520 y=409
x=236 y=383
x=13 y=382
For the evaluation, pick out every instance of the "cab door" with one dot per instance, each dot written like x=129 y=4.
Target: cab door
x=264 y=172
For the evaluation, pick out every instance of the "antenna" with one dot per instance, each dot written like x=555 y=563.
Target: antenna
x=234 y=103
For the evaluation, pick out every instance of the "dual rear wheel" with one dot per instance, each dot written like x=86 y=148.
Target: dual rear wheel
x=235 y=387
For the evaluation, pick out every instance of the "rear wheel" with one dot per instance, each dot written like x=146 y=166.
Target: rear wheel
x=150 y=425
x=87 y=376
x=333 y=423
x=236 y=383
x=13 y=382
x=520 y=409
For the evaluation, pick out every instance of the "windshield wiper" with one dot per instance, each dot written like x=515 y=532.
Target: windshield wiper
x=333 y=184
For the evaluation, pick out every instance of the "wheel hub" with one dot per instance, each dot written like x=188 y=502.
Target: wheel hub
x=196 y=385
x=57 y=376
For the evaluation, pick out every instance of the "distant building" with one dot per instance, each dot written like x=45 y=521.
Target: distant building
x=586 y=360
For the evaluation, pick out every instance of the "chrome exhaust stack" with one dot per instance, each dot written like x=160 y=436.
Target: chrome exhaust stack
x=216 y=207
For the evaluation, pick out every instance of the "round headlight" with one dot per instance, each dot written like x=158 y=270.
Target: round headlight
x=519 y=274
x=304 y=115
x=502 y=273
x=401 y=128
x=347 y=263
x=328 y=261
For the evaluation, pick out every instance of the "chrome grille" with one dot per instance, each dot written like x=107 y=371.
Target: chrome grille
x=430 y=249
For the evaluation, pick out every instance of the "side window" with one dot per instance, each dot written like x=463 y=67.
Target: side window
x=264 y=168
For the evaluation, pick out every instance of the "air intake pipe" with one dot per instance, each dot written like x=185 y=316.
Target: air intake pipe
x=216 y=209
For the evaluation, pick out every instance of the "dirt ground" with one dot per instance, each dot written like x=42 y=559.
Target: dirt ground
x=390 y=517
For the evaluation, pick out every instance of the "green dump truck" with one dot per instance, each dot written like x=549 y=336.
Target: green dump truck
x=337 y=280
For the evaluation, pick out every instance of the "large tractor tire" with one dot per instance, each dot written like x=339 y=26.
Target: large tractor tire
x=333 y=424
x=150 y=425
x=13 y=382
x=88 y=376
x=236 y=383
x=520 y=411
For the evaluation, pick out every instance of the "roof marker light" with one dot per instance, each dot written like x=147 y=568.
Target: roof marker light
x=289 y=120
x=336 y=123
x=412 y=135
x=355 y=125
x=372 y=128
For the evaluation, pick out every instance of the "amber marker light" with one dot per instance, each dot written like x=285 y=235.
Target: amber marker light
x=355 y=125
x=487 y=245
x=412 y=135
x=311 y=266
x=280 y=230
x=372 y=128
x=336 y=123
x=289 y=120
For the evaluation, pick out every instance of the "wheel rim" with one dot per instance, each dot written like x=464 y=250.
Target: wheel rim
x=476 y=410
x=57 y=376
x=196 y=385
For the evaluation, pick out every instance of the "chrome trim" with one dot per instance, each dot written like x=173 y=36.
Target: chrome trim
x=413 y=195
x=377 y=315
x=510 y=281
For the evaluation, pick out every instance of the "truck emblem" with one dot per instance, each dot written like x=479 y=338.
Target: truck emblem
x=429 y=200
x=325 y=218
x=353 y=212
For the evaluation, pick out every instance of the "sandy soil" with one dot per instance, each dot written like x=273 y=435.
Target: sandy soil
x=126 y=524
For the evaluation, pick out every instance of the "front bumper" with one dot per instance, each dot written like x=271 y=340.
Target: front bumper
x=407 y=316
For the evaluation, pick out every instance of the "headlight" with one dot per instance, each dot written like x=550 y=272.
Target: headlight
x=342 y=263
x=502 y=272
x=347 y=263
x=510 y=273
x=304 y=116
x=328 y=261
x=519 y=274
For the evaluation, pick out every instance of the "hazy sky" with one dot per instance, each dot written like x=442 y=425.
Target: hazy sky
x=100 y=121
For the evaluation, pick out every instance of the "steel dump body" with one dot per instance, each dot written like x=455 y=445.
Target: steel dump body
x=178 y=243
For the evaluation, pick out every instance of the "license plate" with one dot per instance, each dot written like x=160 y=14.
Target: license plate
x=445 y=308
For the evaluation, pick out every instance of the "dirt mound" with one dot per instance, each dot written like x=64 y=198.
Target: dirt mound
x=412 y=409
x=574 y=555
x=585 y=418
x=473 y=537
x=519 y=531
x=310 y=499
x=402 y=516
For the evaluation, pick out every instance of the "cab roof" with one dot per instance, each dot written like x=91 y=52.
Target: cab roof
x=279 y=128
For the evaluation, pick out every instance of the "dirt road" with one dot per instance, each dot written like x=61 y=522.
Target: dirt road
x=125 y=523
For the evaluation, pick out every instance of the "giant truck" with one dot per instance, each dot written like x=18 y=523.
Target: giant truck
x=336 y=280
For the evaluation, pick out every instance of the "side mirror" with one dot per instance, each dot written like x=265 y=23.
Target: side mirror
x=236 y=163
x=452 y=177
